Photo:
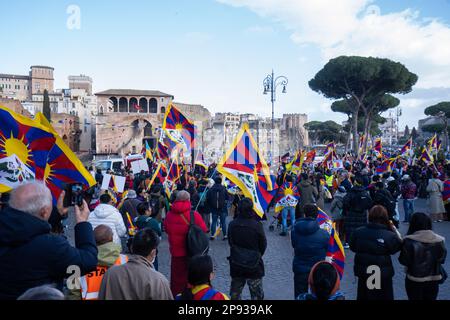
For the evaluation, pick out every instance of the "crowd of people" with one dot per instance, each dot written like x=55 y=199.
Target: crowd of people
x=115 y=255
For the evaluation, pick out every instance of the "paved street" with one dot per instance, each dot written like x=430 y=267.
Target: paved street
x=278 y=282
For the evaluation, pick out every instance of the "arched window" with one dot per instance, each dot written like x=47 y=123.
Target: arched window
x=143 y=103
x=113 y=101
x=163 y=110
x=123 y=105
x=134 y=105
x=153 y=106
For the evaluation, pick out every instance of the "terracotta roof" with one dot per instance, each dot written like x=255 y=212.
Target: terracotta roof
x=134 y=93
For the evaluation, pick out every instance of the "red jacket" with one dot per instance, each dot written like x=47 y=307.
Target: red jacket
x=177 y=228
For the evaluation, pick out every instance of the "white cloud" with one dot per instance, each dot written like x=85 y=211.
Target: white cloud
x=358 y=27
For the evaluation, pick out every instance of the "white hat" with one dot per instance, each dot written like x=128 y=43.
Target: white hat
x=390 y=179
x=406 y=177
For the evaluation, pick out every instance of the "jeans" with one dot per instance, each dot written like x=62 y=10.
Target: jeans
x=284 y=214
x=216 y=215
x=408 y=207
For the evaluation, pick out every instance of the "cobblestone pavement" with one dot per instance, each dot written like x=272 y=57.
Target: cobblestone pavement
x=278 y=282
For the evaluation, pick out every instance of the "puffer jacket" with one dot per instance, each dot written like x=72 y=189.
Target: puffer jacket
x=108 y=215
x=247 y=232
x=373 y=245
x=356 y=203
x=310 y=244
x=177 y=228
x=422 y=254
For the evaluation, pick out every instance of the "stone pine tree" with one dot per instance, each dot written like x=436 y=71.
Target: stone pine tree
x=363 y=82
x=46 y=106
x=414 y=133
x=441 y=110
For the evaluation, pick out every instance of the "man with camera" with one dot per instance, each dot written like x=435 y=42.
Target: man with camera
x=30 y=256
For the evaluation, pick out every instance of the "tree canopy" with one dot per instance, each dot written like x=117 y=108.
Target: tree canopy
x=322 y=132
x=437 y=108
x=363 y=82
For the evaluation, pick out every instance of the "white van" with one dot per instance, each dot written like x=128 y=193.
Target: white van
x=114 y=165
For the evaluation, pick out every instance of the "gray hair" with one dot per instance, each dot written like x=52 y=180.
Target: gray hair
x=45 y=292
x=31 y=198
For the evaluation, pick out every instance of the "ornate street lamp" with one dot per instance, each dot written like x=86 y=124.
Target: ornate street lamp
x=270 y=84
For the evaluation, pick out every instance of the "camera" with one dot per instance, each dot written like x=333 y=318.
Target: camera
x=74 y=195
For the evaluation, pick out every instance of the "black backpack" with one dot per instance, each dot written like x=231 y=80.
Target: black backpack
x=197 y=242
x=216 y=197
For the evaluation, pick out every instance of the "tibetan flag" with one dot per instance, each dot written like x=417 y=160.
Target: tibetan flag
x=296 y=165
x=63 y=166
x=287 y=196
x=386 y=166
x=148 y=152
x=179 y=128
x=160 y=172
x=335 y=253
x=244 y=166
x=24 y=148
x=426 y=157
x=310 y=156
x=378 y=148
x=162 y=152
x=406 y=147
x=174 y=172
x=433 y=144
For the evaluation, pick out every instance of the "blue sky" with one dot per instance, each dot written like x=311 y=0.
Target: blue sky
x=216 y=53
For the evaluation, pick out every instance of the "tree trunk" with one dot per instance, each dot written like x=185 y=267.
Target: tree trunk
x=355 y=132
x=367 y=125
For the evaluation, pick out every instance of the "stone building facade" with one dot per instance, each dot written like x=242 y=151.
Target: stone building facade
x=127 y=118
x=24 y=87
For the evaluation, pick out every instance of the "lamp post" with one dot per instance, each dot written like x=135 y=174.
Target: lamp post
x=270 y=86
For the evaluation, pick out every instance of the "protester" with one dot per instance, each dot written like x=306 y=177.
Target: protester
x=310 y=244
x=248 y=244
x=216 y=198
x=147 y=218
x=323 y=282
x=289 y=208
x=137 y=279
x=195 y=198
x=200 y=275
x=384 y=198
x=435 y=202
x=105 y=213
x=356 y=203
x=30 y=255
x=108 y=255
x=409 y=192
x=130 y=206
x=308 y=193
x=337 y=209
x=176 y=226
x=373 y=246
x=423 y=254
x=157 y=200
x=203 y=207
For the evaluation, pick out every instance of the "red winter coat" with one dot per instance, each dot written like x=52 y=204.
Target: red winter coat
x=177 y=229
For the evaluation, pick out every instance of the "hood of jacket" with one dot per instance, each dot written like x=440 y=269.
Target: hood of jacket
x=425 y=236
x=17 y=227
x=104 y=210
x=179 y=207
x=108 y=254
x=306 y=226
x=339 y=195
